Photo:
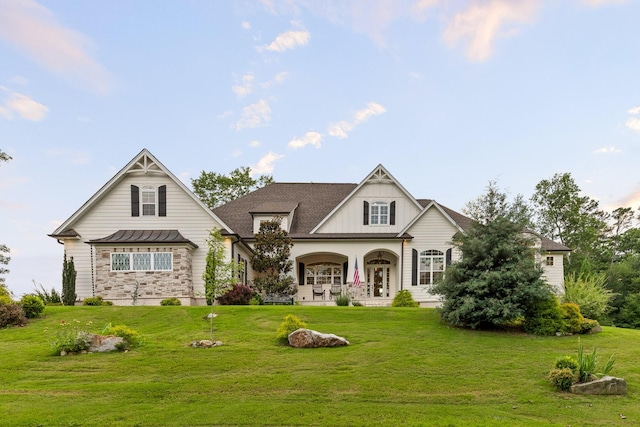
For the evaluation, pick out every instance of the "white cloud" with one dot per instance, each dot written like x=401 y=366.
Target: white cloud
x=255 y=143
x=246 y=87
x=342 y=128
x=24 y=107
x=481 y=24
x=225 y=115
x=277 y=80
x=266 y=163
x=33 y=29
x=289 y=40
x=254 y=115
x=309 y=138
x=634 y=110
x=607 y=150
x=633 y=123
x=236 y=153
x=246 y=25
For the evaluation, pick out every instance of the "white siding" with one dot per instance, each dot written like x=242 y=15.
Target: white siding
x=113 y=213
x=432 y=231
x=349 y=218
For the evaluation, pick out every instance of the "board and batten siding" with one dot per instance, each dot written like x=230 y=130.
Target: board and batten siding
x=349 y=218
x=432 y=231
x=113 y=212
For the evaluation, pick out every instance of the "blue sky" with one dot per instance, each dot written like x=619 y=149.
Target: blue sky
x=447 y=95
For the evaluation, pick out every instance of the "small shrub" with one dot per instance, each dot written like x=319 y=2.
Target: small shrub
x=566 y=362
x=71 y=337
x=256 y=299
x=571 y=317
x=5 y=299
x=342 y=300
x=290 y=324
x=32 y=305
x=130 y=338
x=588 y=325
x=356 y=303
x=96 y=301
x=545 y=319
x=404 y=298
x=587 y=364
x=239 y=294
x=11 y=313
x=52 y=298
x=562 y=378
x=170 y=301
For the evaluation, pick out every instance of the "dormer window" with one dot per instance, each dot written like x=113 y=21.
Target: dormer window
x=148 y=200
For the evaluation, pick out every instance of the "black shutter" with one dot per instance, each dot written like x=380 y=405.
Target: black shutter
x=162 y=200
x=135 y=201
x=448 y=257
x=246 y=273
x=392 y=215
x=300 y=273
x=414 y=267
x=345 y=267
x=365 y=219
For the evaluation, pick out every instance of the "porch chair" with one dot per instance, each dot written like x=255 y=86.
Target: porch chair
x=335 y=290
x=317 y=290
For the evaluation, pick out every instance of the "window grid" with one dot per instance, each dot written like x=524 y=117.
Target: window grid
x=431 y=266
x=379 y=214
x=142 y=261
x=324 y=274
x=148 y=201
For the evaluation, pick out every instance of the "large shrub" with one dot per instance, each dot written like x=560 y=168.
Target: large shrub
x=130 y=338
x=68 y=281
x=589 y=292
x=572 y=319
x=404 y=298
x=239 y=294
x=32 y=305
x=545 y=318
x=11 y=313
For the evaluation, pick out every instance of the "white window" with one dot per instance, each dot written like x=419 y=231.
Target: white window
x=141 y=261
x=431 y=266
x=379 y=213
x=324 y=274
x=148 y=200
x=549 y=260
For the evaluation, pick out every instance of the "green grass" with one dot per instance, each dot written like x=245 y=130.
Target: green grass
x=403 y=367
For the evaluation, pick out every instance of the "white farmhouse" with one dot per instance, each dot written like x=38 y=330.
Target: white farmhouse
x=143 y=235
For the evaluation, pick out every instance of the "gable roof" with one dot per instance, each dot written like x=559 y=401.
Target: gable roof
x=378 y=174
x=144 y=162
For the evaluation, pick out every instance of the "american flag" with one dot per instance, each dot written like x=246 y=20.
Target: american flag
x=356 y=276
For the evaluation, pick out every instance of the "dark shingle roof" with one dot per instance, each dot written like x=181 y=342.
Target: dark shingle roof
x=314 y=201
x=144 y=236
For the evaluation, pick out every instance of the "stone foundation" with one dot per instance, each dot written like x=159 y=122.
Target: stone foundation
x=151 y=287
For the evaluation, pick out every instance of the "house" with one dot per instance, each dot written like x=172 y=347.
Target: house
x=142 y=237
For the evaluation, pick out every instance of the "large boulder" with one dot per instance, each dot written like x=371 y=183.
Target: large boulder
x=104 y=343
x=308 y=338
x=604 y=385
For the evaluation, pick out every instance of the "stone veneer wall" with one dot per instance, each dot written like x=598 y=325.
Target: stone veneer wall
x=119 y=286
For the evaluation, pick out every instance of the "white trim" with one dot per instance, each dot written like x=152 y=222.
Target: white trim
x=433 y=203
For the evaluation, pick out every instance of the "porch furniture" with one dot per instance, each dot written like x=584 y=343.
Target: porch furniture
x=335 y=290
x=317 y=290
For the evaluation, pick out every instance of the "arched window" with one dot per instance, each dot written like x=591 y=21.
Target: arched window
x=148 y=200
x=325 y=273
x=431 y=266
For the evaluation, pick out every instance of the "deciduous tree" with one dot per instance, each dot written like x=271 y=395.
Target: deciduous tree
x=216 y=189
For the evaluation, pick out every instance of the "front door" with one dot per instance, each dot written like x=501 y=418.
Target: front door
x=378 y=278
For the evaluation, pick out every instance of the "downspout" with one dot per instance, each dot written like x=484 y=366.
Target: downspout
x=402 y=264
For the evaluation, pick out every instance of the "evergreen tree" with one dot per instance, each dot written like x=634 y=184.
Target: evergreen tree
x=497 y=280
x=68 y=281
x=271 y=259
